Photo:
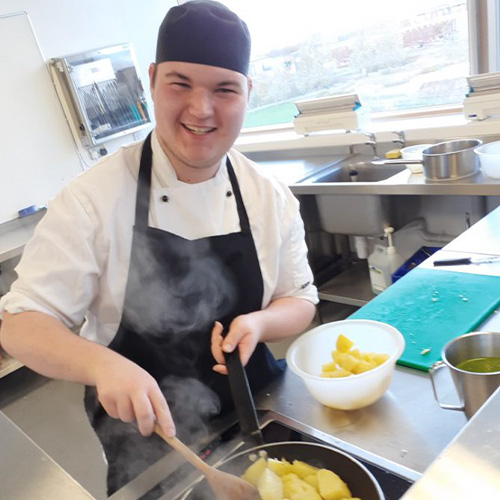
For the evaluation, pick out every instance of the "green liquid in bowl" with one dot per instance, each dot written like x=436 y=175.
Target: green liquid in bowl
x=480 y=365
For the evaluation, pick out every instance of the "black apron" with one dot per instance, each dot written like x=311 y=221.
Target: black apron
x=176 y=290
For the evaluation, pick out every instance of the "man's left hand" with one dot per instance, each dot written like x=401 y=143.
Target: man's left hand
x=244 y=335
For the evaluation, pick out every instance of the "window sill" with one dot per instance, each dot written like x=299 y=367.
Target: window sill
x=418 y=128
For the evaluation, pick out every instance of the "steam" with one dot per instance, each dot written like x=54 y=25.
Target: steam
x=185 y=296
x=178 y=290
x=192 y=404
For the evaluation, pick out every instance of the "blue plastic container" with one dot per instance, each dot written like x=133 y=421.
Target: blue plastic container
x=417 y=258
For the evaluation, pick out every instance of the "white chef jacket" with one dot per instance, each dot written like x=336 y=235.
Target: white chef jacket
x=75 y=266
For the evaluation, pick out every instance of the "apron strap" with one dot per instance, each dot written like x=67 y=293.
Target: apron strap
x=144 y=185
x=242 y=212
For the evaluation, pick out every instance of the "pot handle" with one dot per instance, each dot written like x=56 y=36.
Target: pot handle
x=433 y=371
x=399 y=161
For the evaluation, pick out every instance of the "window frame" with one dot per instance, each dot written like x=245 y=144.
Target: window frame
x=484 y=35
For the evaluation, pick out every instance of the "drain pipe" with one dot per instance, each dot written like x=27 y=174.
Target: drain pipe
x=361 y=246
x=420 y=224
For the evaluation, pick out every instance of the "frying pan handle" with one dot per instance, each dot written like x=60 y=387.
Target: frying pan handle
x=242 y=396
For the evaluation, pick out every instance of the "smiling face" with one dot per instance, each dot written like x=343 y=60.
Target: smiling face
x=199 y=113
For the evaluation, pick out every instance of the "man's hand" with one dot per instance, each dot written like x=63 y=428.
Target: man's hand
x=282 y=318
x=131 y=394
x=244 y=334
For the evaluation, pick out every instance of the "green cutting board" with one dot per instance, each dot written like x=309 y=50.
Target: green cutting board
x=430 y=307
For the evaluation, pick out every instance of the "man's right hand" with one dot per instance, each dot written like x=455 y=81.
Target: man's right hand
x=129 y=393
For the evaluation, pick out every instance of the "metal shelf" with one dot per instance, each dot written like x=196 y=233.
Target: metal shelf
x=351 y=287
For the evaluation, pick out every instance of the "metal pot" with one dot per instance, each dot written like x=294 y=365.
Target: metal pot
x=473 y=388
x=448 y=160
x=359 y=479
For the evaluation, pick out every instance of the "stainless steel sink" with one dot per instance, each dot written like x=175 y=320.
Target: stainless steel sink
x=354 y=214
x=354 y=172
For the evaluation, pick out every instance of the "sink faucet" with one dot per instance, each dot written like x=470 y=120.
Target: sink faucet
x=373 y=143
x=401 y=138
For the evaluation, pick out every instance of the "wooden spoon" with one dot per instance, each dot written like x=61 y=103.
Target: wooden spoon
x=224 y=485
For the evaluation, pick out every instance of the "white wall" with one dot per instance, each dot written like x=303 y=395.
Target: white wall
x=64 y=27
x=70 y=26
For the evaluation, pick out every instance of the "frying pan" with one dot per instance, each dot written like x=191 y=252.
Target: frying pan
x=360 y=481
x=448 y=160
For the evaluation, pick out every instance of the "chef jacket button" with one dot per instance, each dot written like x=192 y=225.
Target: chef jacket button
x=229 y=194
x=164 y=198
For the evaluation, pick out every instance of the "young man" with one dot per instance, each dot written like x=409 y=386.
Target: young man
x=158 y=249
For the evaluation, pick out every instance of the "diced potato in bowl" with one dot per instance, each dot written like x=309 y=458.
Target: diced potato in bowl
x=348 y=361
x=347 y=364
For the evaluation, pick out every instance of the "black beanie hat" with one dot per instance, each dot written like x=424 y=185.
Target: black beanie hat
x=204 y=32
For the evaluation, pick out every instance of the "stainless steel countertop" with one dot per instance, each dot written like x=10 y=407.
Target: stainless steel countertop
x=407 y=183
x=292 y=171
x=27 y=472
x=406 y=427
x=470 y=466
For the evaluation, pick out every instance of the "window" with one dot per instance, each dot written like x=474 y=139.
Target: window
x=395 y=55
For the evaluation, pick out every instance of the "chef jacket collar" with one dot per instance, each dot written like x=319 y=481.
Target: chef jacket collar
x=164 y=173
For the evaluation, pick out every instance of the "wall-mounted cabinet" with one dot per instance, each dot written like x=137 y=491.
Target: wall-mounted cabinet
x=106 y=93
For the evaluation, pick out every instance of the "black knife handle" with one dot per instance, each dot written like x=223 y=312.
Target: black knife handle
x=453 y=262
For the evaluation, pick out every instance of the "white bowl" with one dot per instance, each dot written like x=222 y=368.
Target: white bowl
x=489 y=158
x=414 y=152
x=308 y=353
